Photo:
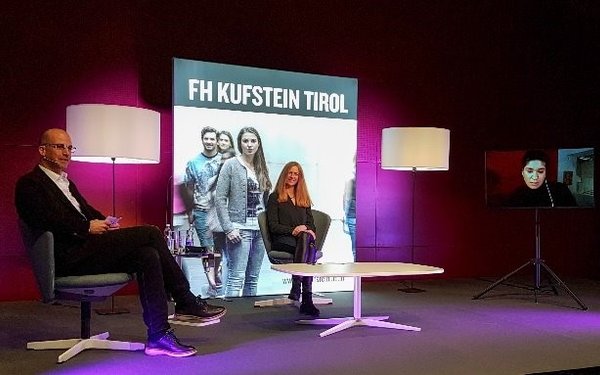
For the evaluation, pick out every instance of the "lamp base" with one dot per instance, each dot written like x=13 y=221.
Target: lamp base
x=112 y=310
x=411 y=289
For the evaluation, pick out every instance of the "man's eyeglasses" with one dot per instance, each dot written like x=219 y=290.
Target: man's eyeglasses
x=61 y=146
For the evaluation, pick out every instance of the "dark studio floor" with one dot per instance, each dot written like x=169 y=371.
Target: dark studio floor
x=504 y=333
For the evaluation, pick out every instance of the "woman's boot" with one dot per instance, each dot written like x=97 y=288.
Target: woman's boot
x=307 y=307
x=295 y=291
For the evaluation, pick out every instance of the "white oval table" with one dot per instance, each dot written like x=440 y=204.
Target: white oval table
x=358 y=270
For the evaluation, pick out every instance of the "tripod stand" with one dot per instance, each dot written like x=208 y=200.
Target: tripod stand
x=537 y=263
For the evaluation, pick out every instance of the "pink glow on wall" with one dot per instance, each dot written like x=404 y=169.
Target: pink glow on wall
x=484 y=83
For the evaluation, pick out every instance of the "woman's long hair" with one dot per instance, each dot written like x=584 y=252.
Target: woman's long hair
x=301 y=190
x=259 y=162
x=227 y=154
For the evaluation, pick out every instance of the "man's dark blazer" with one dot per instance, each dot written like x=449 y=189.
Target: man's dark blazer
x=43 y=207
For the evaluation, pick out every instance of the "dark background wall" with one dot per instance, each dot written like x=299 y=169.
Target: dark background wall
x=498 y=74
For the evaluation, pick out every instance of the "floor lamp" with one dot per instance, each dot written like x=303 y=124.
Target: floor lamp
x=415 y=149
x=117 y=135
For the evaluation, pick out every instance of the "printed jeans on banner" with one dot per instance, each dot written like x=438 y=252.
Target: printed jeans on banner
x=351 y=223
x=244 y=260
x=201 y=224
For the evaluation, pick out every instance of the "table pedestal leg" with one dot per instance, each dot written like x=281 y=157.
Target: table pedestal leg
x=357 y=320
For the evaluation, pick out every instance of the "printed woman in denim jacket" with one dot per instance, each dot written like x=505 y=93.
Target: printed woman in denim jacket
x=242 y=189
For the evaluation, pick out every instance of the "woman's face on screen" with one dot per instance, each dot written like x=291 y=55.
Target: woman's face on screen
x=249 y=143
x=534 y=174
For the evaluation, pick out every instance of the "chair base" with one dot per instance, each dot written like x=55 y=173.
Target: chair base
x=286 y=301
x=76 y=346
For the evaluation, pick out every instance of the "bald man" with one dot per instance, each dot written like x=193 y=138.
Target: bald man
x=87 y=242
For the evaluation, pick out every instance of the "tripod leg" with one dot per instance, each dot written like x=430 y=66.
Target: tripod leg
x=564 y=286
x=503 y=279
x=546 y=278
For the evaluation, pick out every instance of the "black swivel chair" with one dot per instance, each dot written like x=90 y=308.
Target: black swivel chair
x=85 y=289
x=322 y=223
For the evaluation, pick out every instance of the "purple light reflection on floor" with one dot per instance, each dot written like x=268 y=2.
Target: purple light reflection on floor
x=514 y=327
x=560 y=321
x=254 y=357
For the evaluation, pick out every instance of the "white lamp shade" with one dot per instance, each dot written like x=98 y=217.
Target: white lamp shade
x=415 y=148
x=101 y=132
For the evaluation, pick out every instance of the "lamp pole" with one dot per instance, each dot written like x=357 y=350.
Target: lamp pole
x=103 y=131
x=113 y=159
x=412 y=149
x=113 y=310
x=411 y=288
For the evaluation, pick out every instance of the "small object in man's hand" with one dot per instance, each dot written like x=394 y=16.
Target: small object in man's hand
x=113 y=221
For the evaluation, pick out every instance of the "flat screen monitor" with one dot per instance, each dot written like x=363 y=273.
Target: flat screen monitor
x=548 y=178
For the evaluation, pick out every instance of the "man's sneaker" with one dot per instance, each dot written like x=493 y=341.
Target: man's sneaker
x=168 y=345
x=200 y=311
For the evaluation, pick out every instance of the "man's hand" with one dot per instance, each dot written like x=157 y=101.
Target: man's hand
x=98 y=226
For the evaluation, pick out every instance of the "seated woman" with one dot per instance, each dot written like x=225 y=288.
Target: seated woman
x=292 y=228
